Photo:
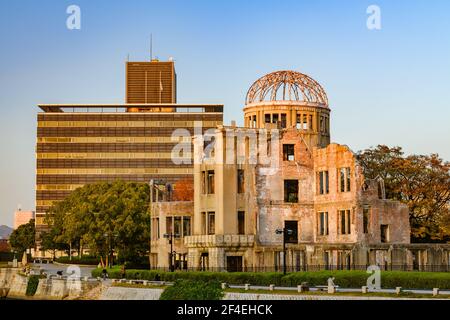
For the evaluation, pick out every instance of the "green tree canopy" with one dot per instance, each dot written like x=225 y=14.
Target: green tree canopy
x=420 y=181
x=23 y=238
x=104 y=216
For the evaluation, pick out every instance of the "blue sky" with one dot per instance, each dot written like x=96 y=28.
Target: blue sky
x=388 y=86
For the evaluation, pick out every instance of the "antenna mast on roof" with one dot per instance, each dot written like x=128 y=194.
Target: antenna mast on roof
x=151 y=46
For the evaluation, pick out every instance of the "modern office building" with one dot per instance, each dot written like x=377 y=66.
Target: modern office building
x=80 y=144
x=151 y=82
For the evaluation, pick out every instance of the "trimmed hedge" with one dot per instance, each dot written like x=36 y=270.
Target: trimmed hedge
x=86 y=260
x=9 y=256
x=345 y=279
x=193 y=290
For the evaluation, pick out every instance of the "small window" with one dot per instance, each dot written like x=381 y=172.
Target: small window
x=211 y=223
x=275 y=118
x=344 y=216
x=254 y=122
x=283 y=120
x=203 y=182
x=241 y=222
x=211 y=182
x=157 y=229
x=384 y=228
x=177 y=226
x=366 y=219
x=305 y=122
x=240 y=181
x=169 y=225
x=291 y=231
x=298 y=122
x=323 y=223
x=267 y=118
x=324 y=186
x=186 y=226
x=288 y=152
x=344 y=180
x=291 y=191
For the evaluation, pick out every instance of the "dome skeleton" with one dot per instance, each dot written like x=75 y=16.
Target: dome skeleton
x=294 y=86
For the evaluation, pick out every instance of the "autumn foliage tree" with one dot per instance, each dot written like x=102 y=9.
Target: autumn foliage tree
x=420 y=181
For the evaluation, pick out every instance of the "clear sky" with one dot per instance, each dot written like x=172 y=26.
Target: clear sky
x=388 y=86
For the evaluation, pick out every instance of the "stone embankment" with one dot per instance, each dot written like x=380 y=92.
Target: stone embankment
x=14 y=285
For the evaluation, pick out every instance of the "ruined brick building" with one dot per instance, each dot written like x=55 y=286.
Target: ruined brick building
x=279 y=176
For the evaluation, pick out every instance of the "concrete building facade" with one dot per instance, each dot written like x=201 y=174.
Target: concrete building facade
x=279 y=176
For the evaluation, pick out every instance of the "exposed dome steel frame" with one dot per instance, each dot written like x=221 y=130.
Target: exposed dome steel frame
x=286 y=86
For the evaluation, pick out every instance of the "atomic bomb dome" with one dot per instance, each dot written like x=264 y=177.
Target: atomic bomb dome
x=289 y=99
x=286 y=86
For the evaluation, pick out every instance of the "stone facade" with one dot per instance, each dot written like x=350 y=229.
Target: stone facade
x=279 y=176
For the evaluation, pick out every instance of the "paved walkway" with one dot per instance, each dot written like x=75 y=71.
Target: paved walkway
x=416 y=291
x=54 y=268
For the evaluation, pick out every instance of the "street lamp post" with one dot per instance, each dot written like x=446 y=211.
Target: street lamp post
x=150 y=233
x=108 y=247
x=171 y=236
x=284 y=232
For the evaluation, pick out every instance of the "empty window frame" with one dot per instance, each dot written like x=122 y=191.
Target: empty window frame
x=384 y=230
x=366 y=219
x=211 y=223
x=288 y=152
x=210 y=181
x=345 y=221
x=177 y=226
x=344 y=180
x=324 y=182
x=298 y=122
x=204 y=223
x=203 y=182
x=323 y=223
x=275 y=118
x=186 y=226
x=283 y=120
x=291 y=191
x=291 y=231
x=241 y=222
x=240 y=181
x=169 y=225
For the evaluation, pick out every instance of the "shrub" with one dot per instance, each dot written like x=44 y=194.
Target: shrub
x=33 y=282
x=87 y=260
x=193 y=290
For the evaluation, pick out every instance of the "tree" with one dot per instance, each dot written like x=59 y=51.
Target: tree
x=105 y=217
x=23 y=238
x=49 y=244
x=420 y=181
